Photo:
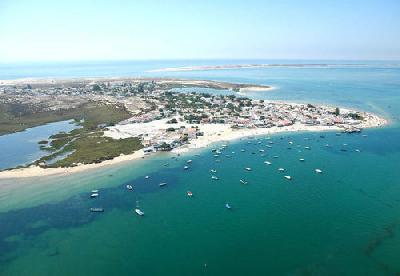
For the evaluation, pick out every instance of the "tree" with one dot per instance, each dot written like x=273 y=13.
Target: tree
x=337 y=111
x=96 y=87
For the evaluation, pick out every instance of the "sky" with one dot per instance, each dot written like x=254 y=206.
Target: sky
x=60 y=30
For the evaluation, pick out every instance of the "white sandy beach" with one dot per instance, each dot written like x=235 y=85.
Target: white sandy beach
x=212 y=133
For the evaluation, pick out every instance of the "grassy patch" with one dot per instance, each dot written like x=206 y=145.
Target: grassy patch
x=18 y=117
x=95 y=148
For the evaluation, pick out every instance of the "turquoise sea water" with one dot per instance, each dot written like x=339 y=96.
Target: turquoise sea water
x=345 y=221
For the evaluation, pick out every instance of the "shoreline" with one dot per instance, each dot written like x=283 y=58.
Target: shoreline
x=214 y=133
x=180 y=81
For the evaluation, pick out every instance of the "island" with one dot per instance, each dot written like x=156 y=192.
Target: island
x=122 y=119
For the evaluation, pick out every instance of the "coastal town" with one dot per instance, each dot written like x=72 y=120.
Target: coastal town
x=165 y=115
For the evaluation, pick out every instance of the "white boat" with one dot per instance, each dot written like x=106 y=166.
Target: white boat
x=185 y=167
x=308 y=148
x=227 y=206
x=95 y=191
x=94 y=195
x=267 y=162
x=242 y=150
x=129 y=187
x=189 y=161
x=290 y=142
x=261 y=150
x=357 y=150
x=162 y=184
x=243 y=182
x=213 y=177
x=288 y=177
x=301 y=159
x=213 y=170
x=248 y=169
x=147 y=177
x=276 y=156
x=139 y=212
x=96 y=210
x=281 y=169
x=318 y=171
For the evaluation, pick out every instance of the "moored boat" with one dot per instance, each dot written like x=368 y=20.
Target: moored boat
x=139 y=212
x=96 y=210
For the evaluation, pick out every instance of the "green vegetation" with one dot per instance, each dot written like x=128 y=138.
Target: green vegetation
x=82 y=145
x=337 y=111
x=16 y=117
x=356 y=116
x=90 y=147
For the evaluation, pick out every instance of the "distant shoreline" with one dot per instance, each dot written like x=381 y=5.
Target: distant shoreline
x=183 y=82
x=249 y=66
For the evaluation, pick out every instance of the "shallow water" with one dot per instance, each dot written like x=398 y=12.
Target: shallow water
x=343 y=221
x=22 y=148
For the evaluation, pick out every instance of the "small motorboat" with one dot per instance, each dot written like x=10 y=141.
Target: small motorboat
x=318 y=171
x=189 y=161
x=162 y=184
x=129 y=187
x=227 y=206
x=95 y=191
x=243 y=182
x=242 y=150
x=288 y=177
x=186 y=167
x=307 y=148
x=96 y=210
x=261 y=150
x=189 y=193
x=147 y=177
x=267 y=162
x=301 y=159
x=276 y=156
x=248 y=169
x=281 y=169
x=213 y=177
x=357 y=150
x=139 y=212
x=290 y=142
x=213 y=170
x=94 y=195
